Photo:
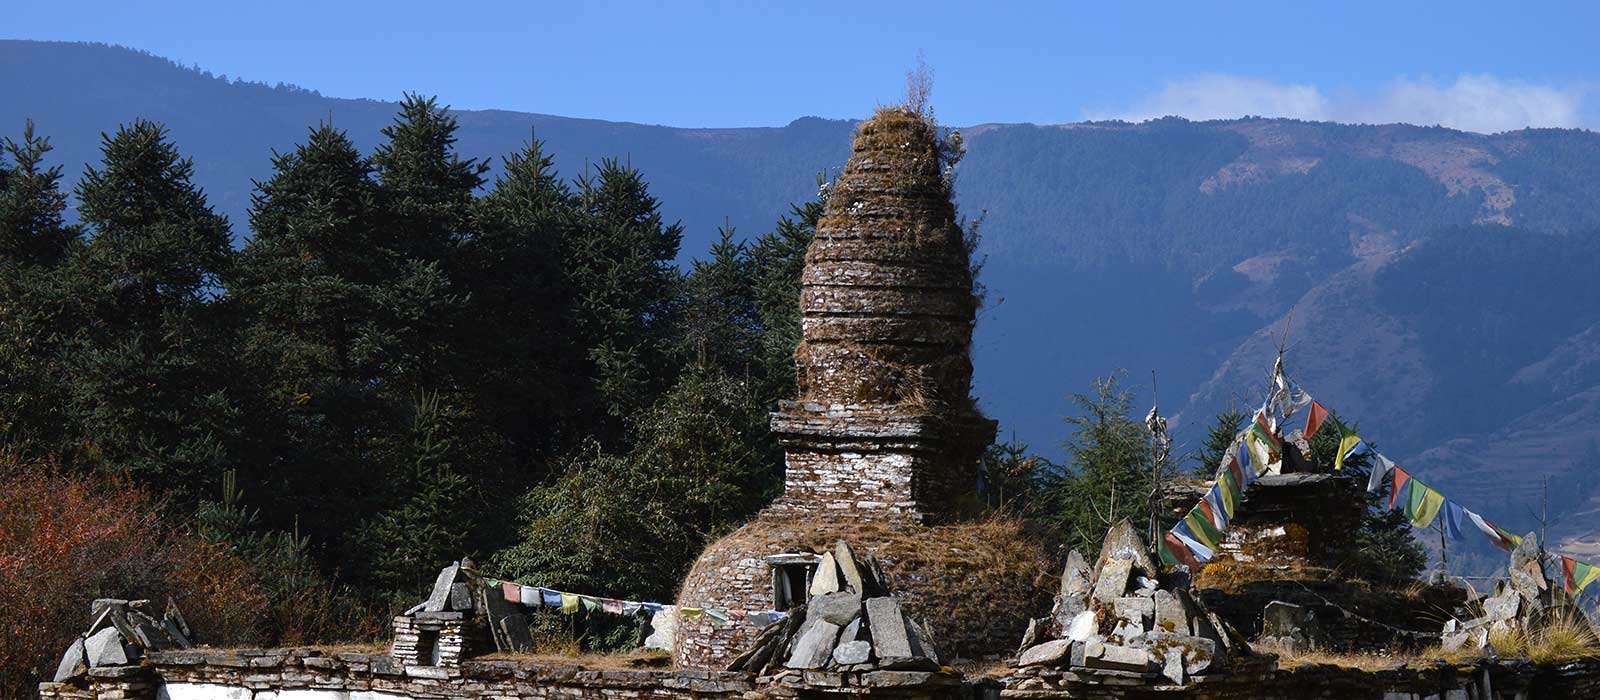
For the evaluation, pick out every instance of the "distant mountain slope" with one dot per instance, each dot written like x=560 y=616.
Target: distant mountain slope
x=1169 y=245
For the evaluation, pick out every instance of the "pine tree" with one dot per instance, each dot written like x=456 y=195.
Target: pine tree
x=621 y=266
x=32 y=232
x=777 y=259
x=1383 y=547
x=1107 y=474
x=426 y=196
x=424 y=521
x=306 y=289
x=34 y=241
x=519 y=337
x=721 y=322
x=1225 y=427
x=427 y=188
x=150 y=362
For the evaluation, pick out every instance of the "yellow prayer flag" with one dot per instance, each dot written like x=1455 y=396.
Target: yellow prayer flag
x=569 y=603
x=1347 y=442
x=1428 y=509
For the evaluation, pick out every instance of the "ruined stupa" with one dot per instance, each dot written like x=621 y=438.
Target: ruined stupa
x=884 y=426
x=884 y=439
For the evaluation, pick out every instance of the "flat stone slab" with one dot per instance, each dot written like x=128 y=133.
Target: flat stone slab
x=1048 y=653
x=105 y=648
x=813 y=645
x=1113 y=581
x=856 y=652
x=826 y=580
x=888 y=625
x=840 y=607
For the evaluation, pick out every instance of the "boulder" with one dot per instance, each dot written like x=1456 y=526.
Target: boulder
x=1115 y=657
x=1502 y=606
x=461 y=596
x=73 y=663
x=1049 y=653
x=846 y=559
x=1112 y=582
x=888 y=627
x=106 y=648
x=922 y=641
x=1135 y=609
x=1083 y=627
x=1073 y=595
x=1172 y=668
x=1292 y=625
x=853 y=652
x=839 y=607
x=1031 y=636
x=439 y=600
x=1123 y=542
x=826 y=580
x=1527 y=574
x=1170 y=615
x=813 y=645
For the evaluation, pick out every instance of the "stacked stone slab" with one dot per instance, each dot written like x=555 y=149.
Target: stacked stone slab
x=120 y=633
x=1525 y=601
x=1119 y=616
x=459 y=620
x=850 y=624
x=885 y=426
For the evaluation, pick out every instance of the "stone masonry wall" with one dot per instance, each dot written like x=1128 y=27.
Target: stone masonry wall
x=316 y=675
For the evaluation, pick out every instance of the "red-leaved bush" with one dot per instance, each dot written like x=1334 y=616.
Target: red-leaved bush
x=66 y=539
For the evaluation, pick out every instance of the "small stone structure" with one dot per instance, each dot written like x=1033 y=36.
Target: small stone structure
x=1119 y=615
x=850 y=625
x=1526 y=601
x=119 y=634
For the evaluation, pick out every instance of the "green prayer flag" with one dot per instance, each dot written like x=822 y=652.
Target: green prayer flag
x=1202 y=527
x=1422 y=503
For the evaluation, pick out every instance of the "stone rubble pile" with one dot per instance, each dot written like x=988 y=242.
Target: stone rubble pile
x=850 y=624
x=1118 y=616
x=1525 y=601
x=120 y=633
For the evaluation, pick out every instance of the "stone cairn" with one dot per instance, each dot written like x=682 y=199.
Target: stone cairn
x=885 y=426
x=1117 y=617
x=449 y=626
x=1525 y=601
x=120 y=633
x=850 y=624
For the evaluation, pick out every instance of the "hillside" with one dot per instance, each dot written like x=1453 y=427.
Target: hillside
x=1170 y=245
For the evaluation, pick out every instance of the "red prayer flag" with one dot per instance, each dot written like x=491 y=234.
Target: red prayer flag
x=1180 y=552
x=1314 y=419
x=1567 y=565
x=1400 y=478
x=511 y=591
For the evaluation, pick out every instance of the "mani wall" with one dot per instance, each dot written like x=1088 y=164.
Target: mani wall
x=317 y=675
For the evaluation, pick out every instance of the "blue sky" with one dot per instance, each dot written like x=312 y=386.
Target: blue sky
x=1474 y=65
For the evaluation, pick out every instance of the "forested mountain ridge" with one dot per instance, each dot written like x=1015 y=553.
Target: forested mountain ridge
x=1170 y=245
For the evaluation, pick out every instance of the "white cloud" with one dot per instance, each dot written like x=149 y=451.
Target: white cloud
x=1482 y=103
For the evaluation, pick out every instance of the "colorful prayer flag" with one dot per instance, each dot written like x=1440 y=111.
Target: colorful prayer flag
x=1174 y=549
x=1401 y=476
x=1348 y=441
x=1380 y=471
x=1227 y=491
x=1496 y=534
x=1200 y=552
x=1219 y=511
x=511 y=592
x=569 y=603
x=1200 y=528
x=550 y=598
x=611 y=605
x=1454 y=516
x=528 y=595
x=1578 y=574
x=1314 y=419
x=1422 y=503
x=1265 y=434
x=690 y=613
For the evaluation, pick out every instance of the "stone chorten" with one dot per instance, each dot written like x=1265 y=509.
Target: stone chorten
x=883 y=442
x=885 y=425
